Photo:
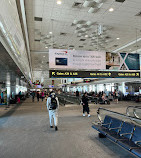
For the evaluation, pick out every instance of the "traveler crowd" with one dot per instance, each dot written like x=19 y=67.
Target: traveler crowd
x=40 y=95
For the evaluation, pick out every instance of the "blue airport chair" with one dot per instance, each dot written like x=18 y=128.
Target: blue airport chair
x=104 y=125
x=124 y=133
x=134 y=142
x=137 y=152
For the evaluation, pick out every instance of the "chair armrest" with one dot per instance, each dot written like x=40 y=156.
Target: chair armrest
x=135 y=147
x=136 y=142
x=115 y=128
x=106 y=124
x=96 y=122
x=125 y=134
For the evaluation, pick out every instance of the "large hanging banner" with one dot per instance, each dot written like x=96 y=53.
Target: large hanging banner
x=77 y=59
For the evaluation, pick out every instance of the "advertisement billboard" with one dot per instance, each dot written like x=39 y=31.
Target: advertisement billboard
x=76 y=59
x=122 y=61
x=92 y=60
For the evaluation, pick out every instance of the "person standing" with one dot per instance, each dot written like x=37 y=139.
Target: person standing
x=38 y=96
x=42 y=95
x=116 y=96
x=85 y=104
x=2 y=97
x=33 y=96
x=52 y=107
x=77 y=93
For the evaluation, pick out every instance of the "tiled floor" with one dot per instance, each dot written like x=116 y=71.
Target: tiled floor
x=25 y=133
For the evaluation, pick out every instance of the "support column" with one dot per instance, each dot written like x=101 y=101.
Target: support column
x=123 y=88
x=8 y=87
x=17 y=86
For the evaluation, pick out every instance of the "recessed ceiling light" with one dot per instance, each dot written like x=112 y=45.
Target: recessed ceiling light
x=44 y=56
x=59 y=2
x=9 y=1
x=111 y=10
x=118 y=38
x=86 y=36
x=46 y=47
x=50 y=33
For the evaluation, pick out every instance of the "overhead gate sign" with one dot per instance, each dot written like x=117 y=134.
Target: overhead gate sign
x=93 y=74
x=77 y=59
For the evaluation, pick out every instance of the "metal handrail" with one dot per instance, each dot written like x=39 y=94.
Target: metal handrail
x=134 y=111
x=69 y=98
x=121 y=116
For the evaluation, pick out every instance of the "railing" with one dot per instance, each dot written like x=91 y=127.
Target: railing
x=68 y=99
x=101 y=113
x=134 y=111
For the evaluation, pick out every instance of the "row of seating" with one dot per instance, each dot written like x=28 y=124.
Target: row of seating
x=125 y=134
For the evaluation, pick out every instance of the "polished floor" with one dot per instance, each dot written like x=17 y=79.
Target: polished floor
x=25 y=133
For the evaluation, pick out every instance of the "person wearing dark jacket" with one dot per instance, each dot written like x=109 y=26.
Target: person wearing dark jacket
x=38 y=96
x=85 y=104
x=33 y=96
x=77 y=93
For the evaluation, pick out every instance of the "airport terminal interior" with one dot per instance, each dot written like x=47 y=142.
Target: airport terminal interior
x=70 y=78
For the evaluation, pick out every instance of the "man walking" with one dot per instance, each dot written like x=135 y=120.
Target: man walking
x=85 y=104
x=53 y=106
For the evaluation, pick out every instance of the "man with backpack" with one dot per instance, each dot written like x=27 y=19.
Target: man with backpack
x=53 y=106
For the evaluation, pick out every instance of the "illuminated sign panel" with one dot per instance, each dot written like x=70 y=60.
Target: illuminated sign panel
x=92 y=60
x=93 y=74
x=76 y=59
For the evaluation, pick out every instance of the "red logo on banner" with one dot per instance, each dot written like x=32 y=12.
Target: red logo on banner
x=65 y=52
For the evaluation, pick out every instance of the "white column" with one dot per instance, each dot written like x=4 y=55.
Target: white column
x=8 y=87
x=17 y=85
x=123 y=88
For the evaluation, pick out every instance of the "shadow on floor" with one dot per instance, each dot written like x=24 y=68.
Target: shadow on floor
x=112 y=147
x=4 y=117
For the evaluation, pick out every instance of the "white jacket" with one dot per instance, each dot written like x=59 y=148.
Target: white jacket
x=49 y=103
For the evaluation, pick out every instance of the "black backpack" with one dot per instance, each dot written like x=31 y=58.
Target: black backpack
x=53 y=105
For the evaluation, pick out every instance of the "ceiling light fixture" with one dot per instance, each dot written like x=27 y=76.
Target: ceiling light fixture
x=111 y=10
x=118 y=38
x=46 y=47
x=44 y=56
x=59 y=2
x=50 y=33
x=86 y=36
x=10 y=2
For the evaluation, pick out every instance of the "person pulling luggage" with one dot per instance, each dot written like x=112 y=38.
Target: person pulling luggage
x=85 y=104
x=52 y=107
